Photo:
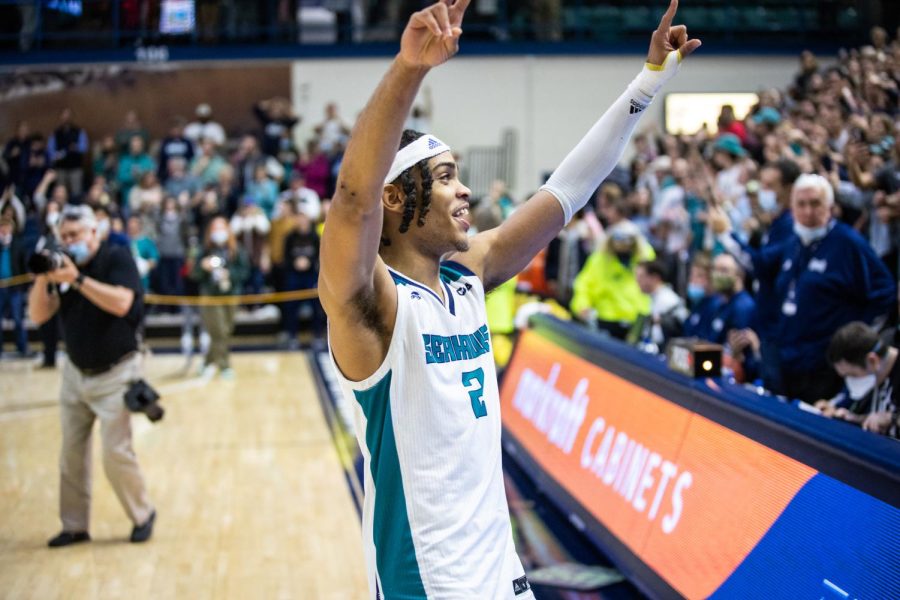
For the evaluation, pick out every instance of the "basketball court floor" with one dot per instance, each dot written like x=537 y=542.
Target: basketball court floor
x=251 y=496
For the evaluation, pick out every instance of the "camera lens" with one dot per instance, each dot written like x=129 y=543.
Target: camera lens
x=44 y=262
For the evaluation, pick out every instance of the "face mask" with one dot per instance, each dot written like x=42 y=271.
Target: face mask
x=624 y=258
x=695 y=293
x=723 y=283
x=5 y=240
x=102 y=228
x=860 y=386
x=78 y=251
x=219 y=237
x=52 y=219
x=808 y=235
x=768 y=200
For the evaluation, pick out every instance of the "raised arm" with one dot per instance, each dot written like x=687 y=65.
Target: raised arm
x=352 y=235
x=501 y=253
x=763 y=263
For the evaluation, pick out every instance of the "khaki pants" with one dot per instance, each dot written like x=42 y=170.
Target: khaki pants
x=219 y=322
x=83 y=399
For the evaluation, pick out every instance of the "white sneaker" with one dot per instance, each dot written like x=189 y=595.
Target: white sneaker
x=187 y=344
x=207 y=372
x=204 y=343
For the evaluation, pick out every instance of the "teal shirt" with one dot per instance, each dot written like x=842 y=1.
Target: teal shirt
x=209 y=175
x=145 y=248
x=5 y=262
x=266 y=195
x=130 y=170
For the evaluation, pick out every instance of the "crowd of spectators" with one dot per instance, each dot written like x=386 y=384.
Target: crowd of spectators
x=27 y=25
x=767 y=236
x=162 y=198
x=321 y=21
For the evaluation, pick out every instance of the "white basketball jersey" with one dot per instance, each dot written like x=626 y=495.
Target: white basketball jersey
x=435 y=519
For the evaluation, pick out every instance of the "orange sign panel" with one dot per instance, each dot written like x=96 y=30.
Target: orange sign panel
x=687 y=495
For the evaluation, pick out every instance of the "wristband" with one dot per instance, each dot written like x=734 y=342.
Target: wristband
x=79 y=281
x=653 y=77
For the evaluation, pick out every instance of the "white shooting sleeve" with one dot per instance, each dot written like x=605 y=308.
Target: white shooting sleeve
x=592 y=160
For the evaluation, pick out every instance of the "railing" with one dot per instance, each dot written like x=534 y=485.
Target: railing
x=487 y=164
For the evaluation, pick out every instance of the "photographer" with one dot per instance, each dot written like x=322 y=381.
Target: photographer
x=98 y=294
x=222 y=271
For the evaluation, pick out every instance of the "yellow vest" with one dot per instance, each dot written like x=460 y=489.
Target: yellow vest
x=610 y=288
x=500 y=305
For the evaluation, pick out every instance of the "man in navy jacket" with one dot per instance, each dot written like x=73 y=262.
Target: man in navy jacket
x=703 y=300
x=737 y=309
x=824 y=276
x=777 y=179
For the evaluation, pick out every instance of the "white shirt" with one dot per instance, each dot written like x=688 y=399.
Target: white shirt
x=211 y=130
x=306 y=200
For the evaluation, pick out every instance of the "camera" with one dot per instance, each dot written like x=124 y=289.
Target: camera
x=45 y=261
x=140 y=397
x=220 y=274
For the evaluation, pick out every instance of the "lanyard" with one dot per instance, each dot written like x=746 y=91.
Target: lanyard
x=789 y=307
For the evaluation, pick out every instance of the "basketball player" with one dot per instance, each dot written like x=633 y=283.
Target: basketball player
x=404 y=285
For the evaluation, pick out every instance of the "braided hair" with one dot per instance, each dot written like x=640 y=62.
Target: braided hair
x=408 y=184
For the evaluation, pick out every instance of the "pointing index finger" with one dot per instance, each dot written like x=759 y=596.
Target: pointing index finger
x=666 y=21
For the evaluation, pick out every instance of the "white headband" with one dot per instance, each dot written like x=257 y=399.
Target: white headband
x=423 y=148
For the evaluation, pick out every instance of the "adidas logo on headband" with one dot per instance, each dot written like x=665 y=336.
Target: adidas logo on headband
x=423 y=148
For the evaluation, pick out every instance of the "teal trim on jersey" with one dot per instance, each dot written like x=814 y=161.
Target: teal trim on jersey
x=395 y=555
x=449 y=274
x=461 y=270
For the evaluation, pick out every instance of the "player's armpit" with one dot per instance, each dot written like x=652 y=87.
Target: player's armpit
x=361 y=326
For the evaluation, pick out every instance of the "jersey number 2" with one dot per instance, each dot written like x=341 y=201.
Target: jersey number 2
x=475 y=379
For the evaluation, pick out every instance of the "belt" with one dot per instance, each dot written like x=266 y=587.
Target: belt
x=101 y=370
